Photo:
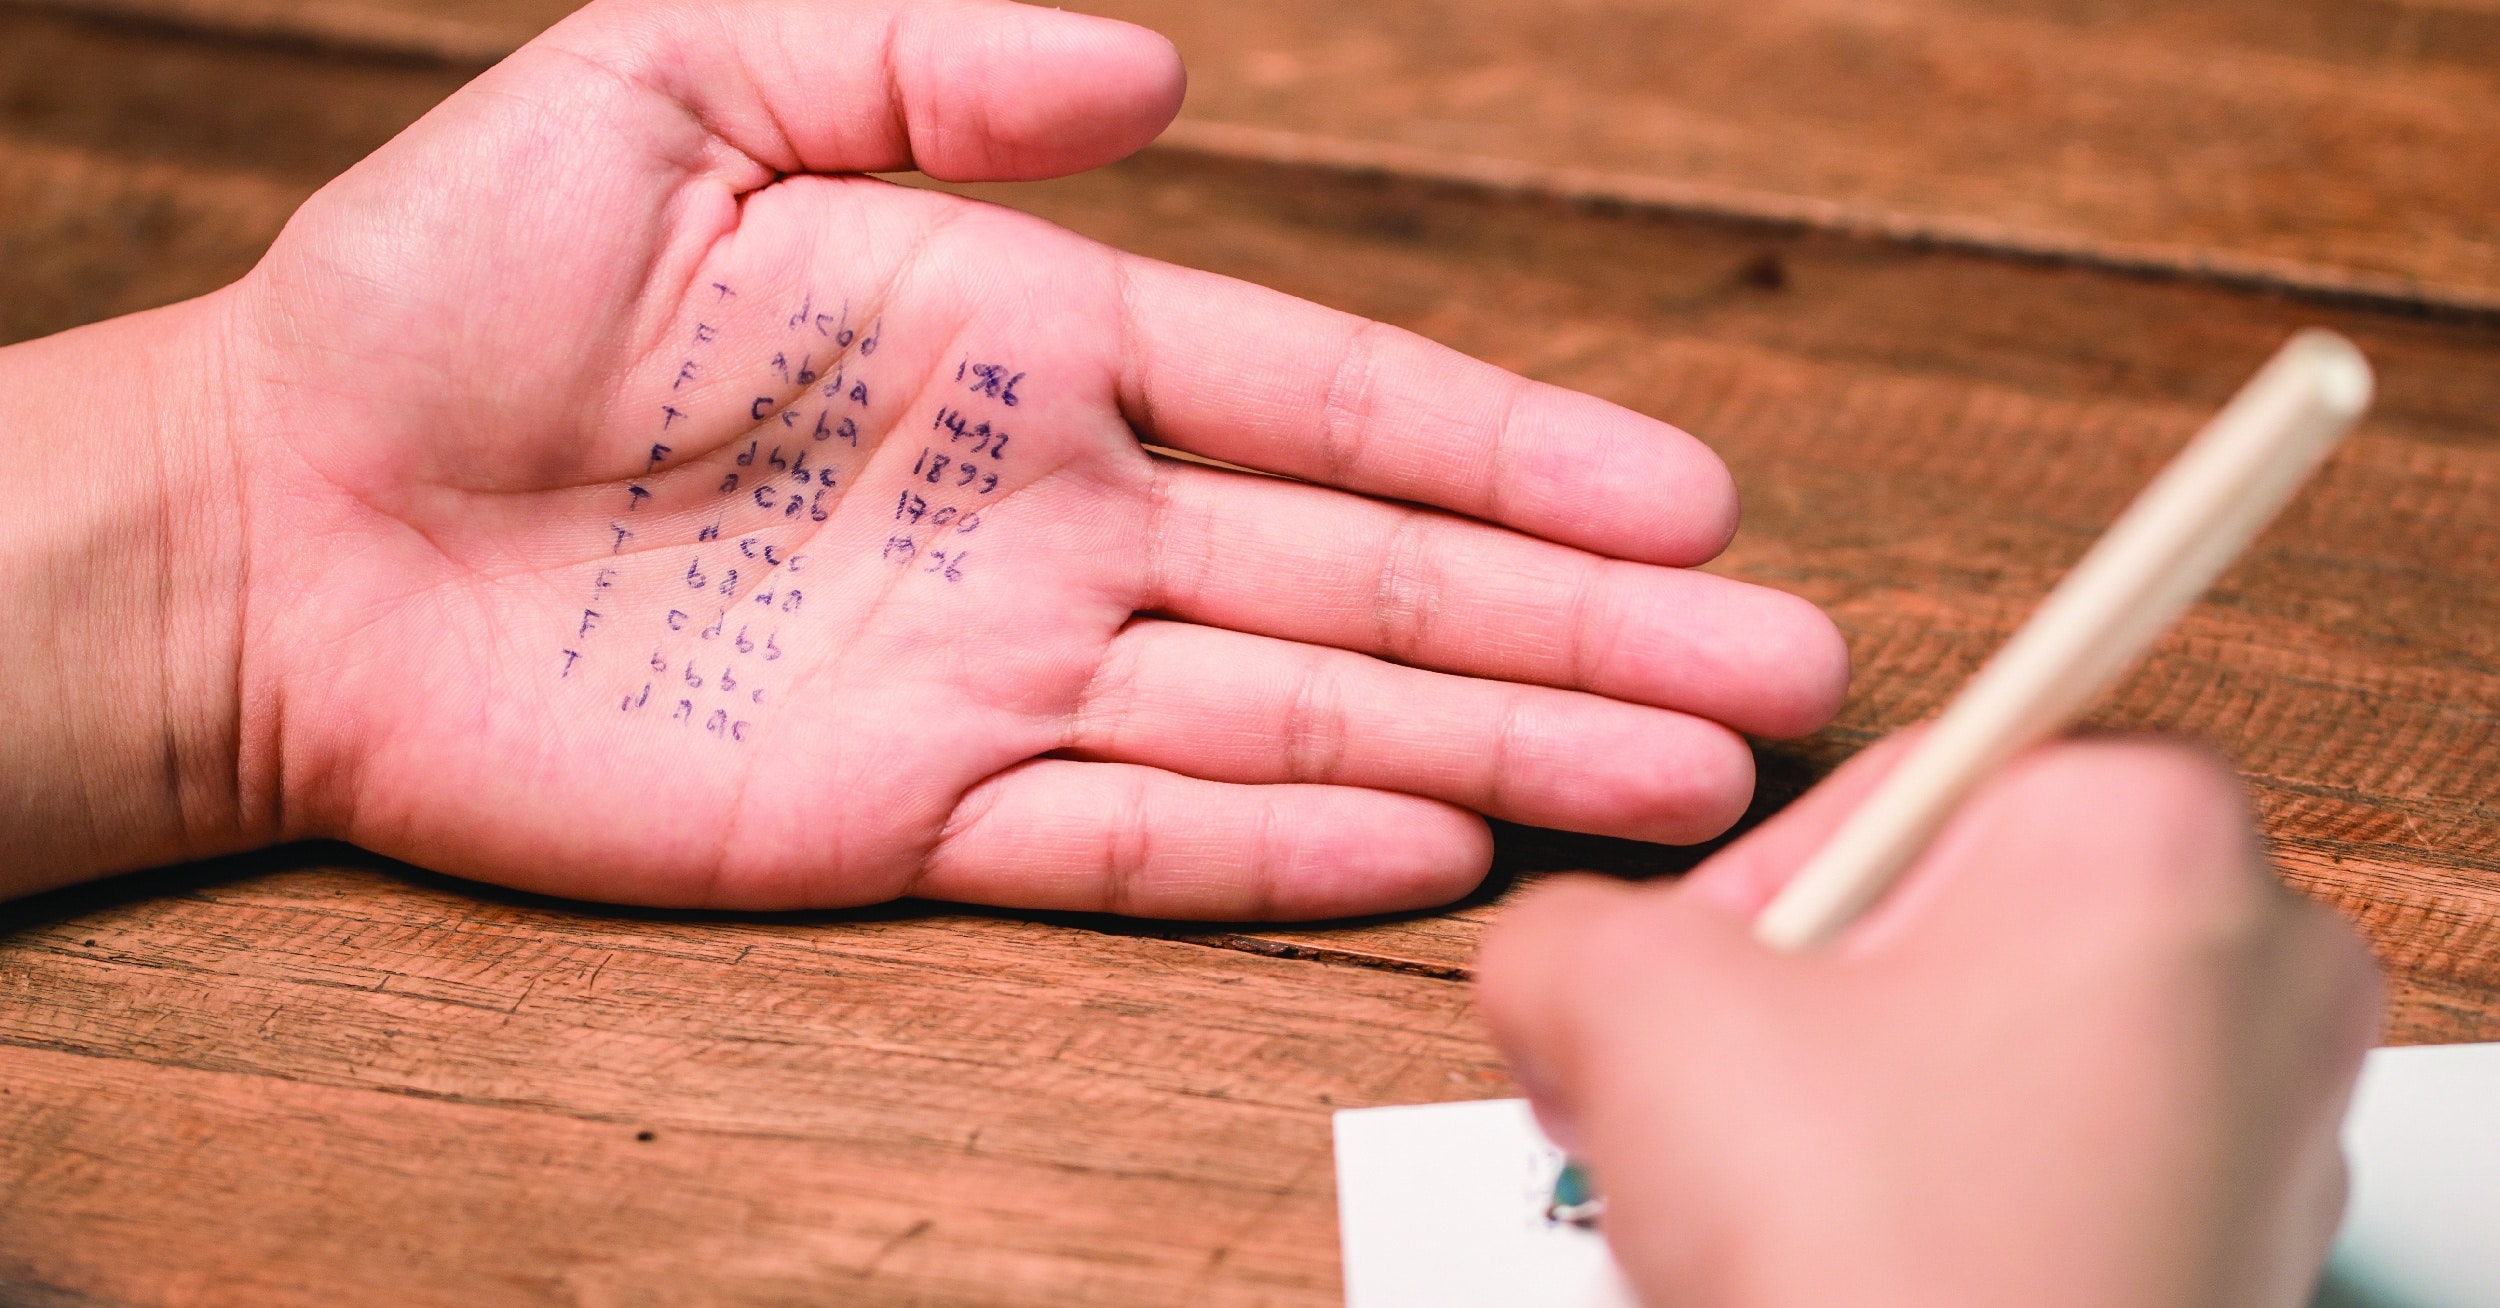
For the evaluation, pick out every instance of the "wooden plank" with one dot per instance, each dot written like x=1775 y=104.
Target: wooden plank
x=151 y=96
x=85 y=236
x=469 y=34
x=142 y=167
x=2319 y=143
x=1926 y=440
x=321 y=1085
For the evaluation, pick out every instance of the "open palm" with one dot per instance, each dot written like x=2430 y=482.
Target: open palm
x=647 y=506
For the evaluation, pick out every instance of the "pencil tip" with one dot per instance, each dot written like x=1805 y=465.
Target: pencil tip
x=2338 y=370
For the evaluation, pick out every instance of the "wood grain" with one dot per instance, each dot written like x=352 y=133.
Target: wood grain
x=1926 y=440
x=2320 y=143
x=2331 y=144
x=312 y=1077
x=372 y=1085
x=468 y=34
x=142 y=167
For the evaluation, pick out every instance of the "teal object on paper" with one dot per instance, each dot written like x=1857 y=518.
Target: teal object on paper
x=1575 y=1197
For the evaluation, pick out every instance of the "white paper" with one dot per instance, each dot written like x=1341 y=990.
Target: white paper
x=1443 y=1206
x=2422 y=1229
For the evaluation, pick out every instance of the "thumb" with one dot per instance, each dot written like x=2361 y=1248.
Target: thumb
x=1587 y=977
x=1580 y=967
x=963 y=90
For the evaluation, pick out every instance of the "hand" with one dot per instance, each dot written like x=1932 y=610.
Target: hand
x=2089 y=1053
x=636 y=503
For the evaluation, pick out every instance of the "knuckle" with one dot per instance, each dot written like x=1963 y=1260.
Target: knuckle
x=1109 y=697
x=1346 y=408
x=1275 y=853
x=1501 y=442
x=1592 y=625
x=1405 y=596
x=1315 y=722
x=1128 y=845
x=1504 y=750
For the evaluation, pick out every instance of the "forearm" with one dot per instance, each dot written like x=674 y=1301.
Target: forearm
x=121 y=567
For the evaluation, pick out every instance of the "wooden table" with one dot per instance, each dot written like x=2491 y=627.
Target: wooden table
x=1944 y=280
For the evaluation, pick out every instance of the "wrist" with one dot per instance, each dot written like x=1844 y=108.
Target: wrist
x=124 y=565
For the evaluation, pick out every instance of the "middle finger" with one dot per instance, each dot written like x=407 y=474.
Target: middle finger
x=1433 y=590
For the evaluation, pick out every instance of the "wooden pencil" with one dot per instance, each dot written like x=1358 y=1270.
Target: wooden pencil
x=2178 y=536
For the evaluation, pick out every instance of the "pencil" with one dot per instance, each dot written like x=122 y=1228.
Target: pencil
x=2171 y=543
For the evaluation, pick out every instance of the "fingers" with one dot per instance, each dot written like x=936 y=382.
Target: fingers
x=2088 y=850
x=2070 y=825
x=1257 y=378
x=2095 y=850
x=959 y=89
x=2309 y=1018
x=2095 y=844
x=1230 y=707
x=1527 y=979
x=1564 y=970
x=1303 y=563
x=1115 y=838
x=1570 y=983
x=2100 y=867
x=2092 y=952
x=1740 y=879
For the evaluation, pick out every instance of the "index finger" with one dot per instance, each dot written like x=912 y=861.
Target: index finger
x=1254 y=377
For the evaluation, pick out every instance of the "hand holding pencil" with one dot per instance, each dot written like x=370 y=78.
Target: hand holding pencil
x=2177 y=537
x=2091 y=1052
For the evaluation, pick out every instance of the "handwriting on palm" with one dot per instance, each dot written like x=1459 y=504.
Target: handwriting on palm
x=656 y=517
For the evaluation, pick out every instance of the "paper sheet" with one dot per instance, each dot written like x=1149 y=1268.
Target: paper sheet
x=2422 y=1228
x=1442 y=1205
